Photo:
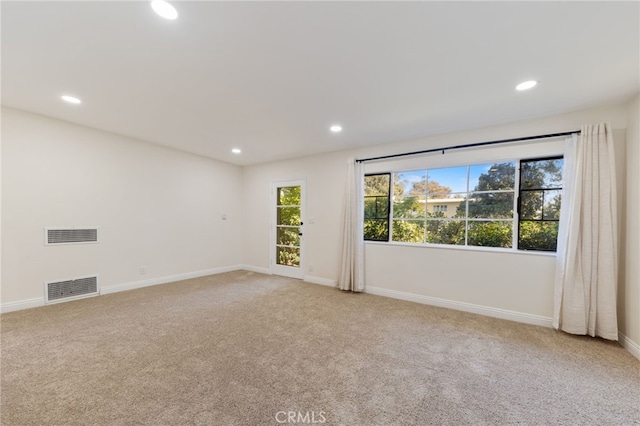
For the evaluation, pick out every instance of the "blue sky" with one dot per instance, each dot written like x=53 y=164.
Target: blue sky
x=453 y=177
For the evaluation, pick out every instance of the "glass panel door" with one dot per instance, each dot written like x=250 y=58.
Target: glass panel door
x=287 y=231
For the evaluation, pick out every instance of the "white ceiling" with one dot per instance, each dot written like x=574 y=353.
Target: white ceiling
x=271 y=77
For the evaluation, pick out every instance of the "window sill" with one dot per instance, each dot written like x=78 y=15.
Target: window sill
x=464 y=248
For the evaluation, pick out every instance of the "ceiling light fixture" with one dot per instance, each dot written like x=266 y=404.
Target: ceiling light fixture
x=236 y=150
x=164 y=9
x=336 y=128
x=71 y=99
x=526 y=85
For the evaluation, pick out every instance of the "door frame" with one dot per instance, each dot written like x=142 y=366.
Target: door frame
x=275 y=269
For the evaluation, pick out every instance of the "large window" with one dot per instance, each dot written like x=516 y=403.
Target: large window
x=474 y=205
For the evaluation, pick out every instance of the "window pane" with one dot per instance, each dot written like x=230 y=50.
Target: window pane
x=288 y=236
x=490 y=205
x=289 y=216
x=446 y=232
x=491 y=234
x=410 y=183
x=409 y=207
x=492 y=177
x=376 y=185
x=370 y=207
x=551 y=209
x=288 y=256
x=376 y=229
x=443 y=183
x=382 y=204
x=538 y=236
x=531 y=204
x=540 y=199
x=289 y=196
x=408 y=231
x=541 y=174
x=376 y=207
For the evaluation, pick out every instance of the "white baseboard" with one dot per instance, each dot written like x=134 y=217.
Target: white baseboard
x=22 y=304
x=632 y=347
x=462 y=306
x=167 y=279
x=257 y=269
x=34 y=303
x=319 y=280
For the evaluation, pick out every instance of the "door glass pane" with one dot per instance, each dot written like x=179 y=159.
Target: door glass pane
x=289 y=196
x=288 y=236
x=289 y=216
x=288 y=256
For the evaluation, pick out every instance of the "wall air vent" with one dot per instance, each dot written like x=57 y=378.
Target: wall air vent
x=74 y=235
x=71 y=289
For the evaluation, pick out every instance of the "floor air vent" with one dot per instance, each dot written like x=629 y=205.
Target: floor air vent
x=70 y=235
x=64 y=290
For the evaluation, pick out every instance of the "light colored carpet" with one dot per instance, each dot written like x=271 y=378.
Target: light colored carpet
x=238 y=348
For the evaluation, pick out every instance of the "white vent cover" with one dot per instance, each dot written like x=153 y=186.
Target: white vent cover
x=71 y=289
x=56 y=236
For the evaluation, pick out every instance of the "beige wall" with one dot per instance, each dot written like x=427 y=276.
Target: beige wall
x=324 y=183
x=154 y=206
x=629 y=292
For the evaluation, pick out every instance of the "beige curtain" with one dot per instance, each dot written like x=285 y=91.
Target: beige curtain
x=351 y=276
x=586 y=277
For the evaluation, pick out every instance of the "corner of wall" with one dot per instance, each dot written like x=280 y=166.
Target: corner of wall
x=630 y=321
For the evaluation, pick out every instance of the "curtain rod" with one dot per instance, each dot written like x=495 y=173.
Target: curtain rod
x=469 y=145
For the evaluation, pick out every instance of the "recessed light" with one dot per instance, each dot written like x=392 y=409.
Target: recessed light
x=164 y=9
x=526 y=85
x=236 y=150
x=336 y=128
x=71 y=99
